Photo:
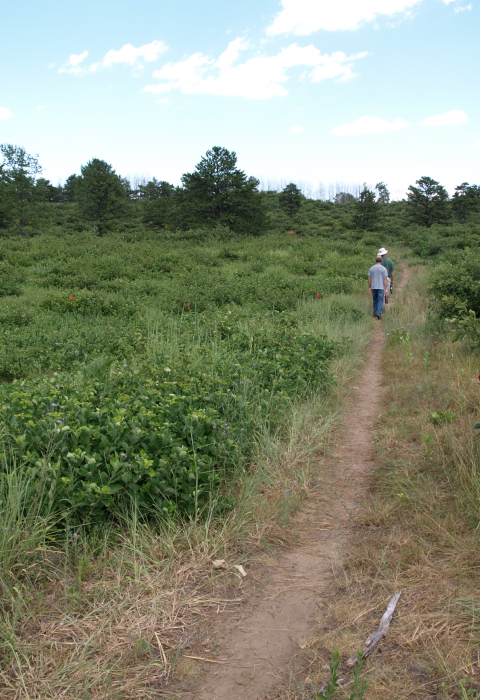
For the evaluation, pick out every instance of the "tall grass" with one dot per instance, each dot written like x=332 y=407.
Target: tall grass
x=26 y=522
x=443 y=375
x=419 y=529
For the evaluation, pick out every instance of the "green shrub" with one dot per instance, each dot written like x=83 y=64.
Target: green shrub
x=15 y=315
x=88 y=303
x=166 y=444
x=11 y=280
x=349 y=312
x=54 y=342
x=103 y=450
x=161 y=327
x=451 y=283
x=466 y=325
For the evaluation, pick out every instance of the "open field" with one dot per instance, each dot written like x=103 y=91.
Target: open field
x=170 y=398
x=163 y=416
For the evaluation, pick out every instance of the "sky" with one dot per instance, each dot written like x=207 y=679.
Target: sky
x=308 y=91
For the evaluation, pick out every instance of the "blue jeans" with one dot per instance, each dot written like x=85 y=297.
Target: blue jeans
x=377 y=297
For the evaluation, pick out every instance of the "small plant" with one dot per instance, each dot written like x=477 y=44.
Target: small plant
x=332 y=685
x=400 y=336
x=467 y=692
x=441 y=417
x=359 y=687
x=426 y=439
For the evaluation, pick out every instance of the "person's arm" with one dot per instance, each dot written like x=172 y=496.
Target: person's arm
x=391 y=275
x=369 y=283
x=385 y=284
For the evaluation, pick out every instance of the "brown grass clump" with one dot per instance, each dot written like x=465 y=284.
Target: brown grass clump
x=107 y=623
x=419 y=532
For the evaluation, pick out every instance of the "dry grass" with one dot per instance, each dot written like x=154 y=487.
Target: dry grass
x=419 y=532
x=113 y=614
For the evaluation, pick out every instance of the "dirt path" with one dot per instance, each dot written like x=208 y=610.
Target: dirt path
x=258 y=645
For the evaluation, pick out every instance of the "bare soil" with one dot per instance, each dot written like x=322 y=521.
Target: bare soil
x=258 y=644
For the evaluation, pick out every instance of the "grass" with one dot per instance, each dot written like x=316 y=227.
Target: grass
x=419 y=529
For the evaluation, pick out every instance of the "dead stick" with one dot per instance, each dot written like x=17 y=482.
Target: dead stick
x=212 y=661
x=375 y=637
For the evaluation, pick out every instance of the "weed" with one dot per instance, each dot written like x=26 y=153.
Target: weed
x=332 y=685
x=467 y=692
x=400 y=336
x=441 y=417
x=358 y=687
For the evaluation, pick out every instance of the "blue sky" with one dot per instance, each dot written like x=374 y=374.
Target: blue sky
x=304 y=90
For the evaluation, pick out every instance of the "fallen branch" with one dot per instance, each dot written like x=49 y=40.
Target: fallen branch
x=375 y=637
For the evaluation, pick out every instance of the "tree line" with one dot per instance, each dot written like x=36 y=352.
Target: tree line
x=216 y=193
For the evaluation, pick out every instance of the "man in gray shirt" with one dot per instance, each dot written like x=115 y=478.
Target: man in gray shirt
x=377 y=284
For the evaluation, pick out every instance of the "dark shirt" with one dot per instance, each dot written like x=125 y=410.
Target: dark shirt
x=386 y=262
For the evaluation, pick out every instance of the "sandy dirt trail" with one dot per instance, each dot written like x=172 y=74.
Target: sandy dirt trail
x=259 y=643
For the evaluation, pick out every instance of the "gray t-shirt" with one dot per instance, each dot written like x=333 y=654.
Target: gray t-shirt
x=377 y=273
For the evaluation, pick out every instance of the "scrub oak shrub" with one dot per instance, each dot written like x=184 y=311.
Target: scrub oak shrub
x=11 y=280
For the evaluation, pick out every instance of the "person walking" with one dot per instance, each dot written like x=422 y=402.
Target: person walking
x=386 y=262
x=377 y=284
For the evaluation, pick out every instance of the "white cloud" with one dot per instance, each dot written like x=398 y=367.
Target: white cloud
x=477 y=143
x=41 y=108
x=73 y=64
x=304 y=17
x=338 y=65
x=296 y=129
x=258 y=78
x=75 y=59
x=131 y=56
x=369 y=125
x=128 y=55
x=455 y=116
x=5 y=113
x=459 y=8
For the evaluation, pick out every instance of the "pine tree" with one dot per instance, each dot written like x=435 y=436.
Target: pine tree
x=366 y=211
x=290 y=199
x=465 y=201
x=18 y=176
x=427 y=203
x=219 y=193
x=383 y=196
x=100 y=194
x=68 y=190
x=157 y=197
